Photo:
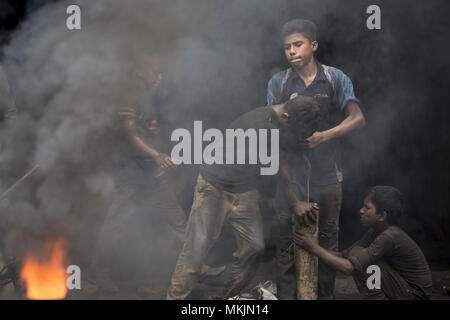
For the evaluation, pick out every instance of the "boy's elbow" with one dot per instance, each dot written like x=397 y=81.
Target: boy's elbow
x=361 y=121
x=355 y=115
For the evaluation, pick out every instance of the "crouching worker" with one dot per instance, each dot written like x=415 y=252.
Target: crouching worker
x=404 y=271
x=230 y=192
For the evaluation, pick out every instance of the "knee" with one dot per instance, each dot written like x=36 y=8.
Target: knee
x=257 y=247
x=251 y=249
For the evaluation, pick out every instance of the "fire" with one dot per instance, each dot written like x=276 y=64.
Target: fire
x=45 y=277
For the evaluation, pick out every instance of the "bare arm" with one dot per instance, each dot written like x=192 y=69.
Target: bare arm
x=336 y=253
x=163 y=160
x=332 y=258
x=329 y=257
x=354 y=120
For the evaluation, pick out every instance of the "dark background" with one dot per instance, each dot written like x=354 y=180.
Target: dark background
x=400 y=73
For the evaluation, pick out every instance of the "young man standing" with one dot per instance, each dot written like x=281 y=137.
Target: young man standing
x=340 y=115
x=143 y=169
x=404 y=271
x=231 y=192
x=145 y=175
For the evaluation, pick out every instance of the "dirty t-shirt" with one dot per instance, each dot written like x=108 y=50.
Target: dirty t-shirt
x=244 y=177
x=398 y=250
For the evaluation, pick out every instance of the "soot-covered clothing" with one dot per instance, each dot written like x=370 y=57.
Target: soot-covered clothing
x=245 y=177
x=332 y=89
x=399 y=251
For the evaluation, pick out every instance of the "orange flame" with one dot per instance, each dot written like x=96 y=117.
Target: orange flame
x=46 y=278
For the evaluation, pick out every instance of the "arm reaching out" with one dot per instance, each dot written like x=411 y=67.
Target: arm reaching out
x=333 y=259
x=163 y=160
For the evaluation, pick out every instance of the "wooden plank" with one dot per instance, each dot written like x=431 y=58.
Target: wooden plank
x=306 y=267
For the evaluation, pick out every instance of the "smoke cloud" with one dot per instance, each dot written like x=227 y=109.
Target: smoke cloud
x=218 y=57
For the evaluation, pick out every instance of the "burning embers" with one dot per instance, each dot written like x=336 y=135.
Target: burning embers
x=44 y=275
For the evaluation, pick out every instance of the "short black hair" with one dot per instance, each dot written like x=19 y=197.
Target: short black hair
x=304 y=115
x=387 y=199
x=305 y=27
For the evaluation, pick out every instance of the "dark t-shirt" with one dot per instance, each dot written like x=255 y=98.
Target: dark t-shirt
x=244 y=177
x=332 y=89
x=325 y=158
x=398 y=250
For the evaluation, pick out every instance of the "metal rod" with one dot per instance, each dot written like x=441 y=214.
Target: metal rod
x=4 y=194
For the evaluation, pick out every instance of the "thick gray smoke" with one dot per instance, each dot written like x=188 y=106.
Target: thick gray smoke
x=219 y=55
x=68 y=86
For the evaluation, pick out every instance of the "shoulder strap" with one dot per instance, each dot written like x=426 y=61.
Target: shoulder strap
x=328 y=75
x=283 y=82
x=288 y=73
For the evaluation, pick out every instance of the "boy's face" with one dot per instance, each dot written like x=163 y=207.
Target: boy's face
x=150 y=70
x=369 y=215
x=299 y=50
